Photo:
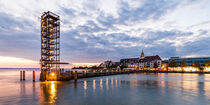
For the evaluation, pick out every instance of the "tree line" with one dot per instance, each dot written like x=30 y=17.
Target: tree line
x=173 y=63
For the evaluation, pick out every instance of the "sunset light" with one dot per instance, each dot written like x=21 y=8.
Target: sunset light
x=14 y=62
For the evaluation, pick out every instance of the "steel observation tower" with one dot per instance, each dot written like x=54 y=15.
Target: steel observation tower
x=50 y=46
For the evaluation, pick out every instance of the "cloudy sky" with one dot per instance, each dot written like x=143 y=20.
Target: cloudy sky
x=96 y=30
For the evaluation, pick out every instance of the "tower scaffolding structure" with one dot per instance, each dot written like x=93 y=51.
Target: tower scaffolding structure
x=50 y=42
x=50 y=46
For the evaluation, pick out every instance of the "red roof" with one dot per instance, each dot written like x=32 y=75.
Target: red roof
x=150 y=58
x=145 y=59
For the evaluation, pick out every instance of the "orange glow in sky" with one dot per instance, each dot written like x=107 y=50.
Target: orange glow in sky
x=14 y=62
x=85 y=64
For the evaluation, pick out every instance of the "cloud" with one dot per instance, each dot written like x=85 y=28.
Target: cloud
x=105 y=30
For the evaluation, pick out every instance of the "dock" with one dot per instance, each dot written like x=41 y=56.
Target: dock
x=73 y=75
x=70 y=75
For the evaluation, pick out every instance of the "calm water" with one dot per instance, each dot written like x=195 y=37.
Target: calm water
x=133 y=89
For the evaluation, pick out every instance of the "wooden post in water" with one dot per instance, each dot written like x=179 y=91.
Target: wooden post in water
x=24 y=75
x=33 y=76
x=21 y=76
x=75 y=76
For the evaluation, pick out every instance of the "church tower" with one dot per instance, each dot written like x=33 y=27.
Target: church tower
x=142 y=55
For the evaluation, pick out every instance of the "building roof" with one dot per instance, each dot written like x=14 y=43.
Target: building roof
x=150 y=58
x=145 y=59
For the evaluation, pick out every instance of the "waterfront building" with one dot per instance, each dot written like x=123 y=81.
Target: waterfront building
x=190 y=61
x=142 y=61
x=109 y=64
x=149 y=62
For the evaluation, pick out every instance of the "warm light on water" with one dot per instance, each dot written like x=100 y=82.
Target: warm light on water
x=132 y=89
x=85 y=85
x=52 y=92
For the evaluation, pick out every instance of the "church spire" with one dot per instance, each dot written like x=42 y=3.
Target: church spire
x=142 y=55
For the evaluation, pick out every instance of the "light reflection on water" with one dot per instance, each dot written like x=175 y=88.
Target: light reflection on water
x=94 y=86
x=133 y=89
x=48 y=90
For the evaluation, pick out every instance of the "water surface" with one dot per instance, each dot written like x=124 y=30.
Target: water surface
x=132 y=89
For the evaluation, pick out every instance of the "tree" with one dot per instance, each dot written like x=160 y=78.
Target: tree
x=173 y=63
x=94 y=67
x=207 y=63
x=155 y=65
x=183 y=63
x=122 y=67
x=114 y=66
x=196 y=64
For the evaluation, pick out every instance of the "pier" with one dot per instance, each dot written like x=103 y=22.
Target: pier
x=74 y=75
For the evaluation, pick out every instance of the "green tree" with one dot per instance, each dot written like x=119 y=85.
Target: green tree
x=207 y=63
x=173 y=63
x=196 y=64
x=183 y=63
x=122 y=67
x=111 y=66
x=94 y=67
x=114 y=66
x=155 y=65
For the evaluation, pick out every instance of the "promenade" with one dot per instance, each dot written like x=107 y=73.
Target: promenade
x=74 y=75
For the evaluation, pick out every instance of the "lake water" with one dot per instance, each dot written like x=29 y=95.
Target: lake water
x=132 y=89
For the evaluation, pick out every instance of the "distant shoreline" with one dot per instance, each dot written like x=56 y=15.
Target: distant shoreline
x=196 y=72
x=19 y=68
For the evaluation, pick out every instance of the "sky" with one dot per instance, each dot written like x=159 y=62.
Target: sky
x=93 y=31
